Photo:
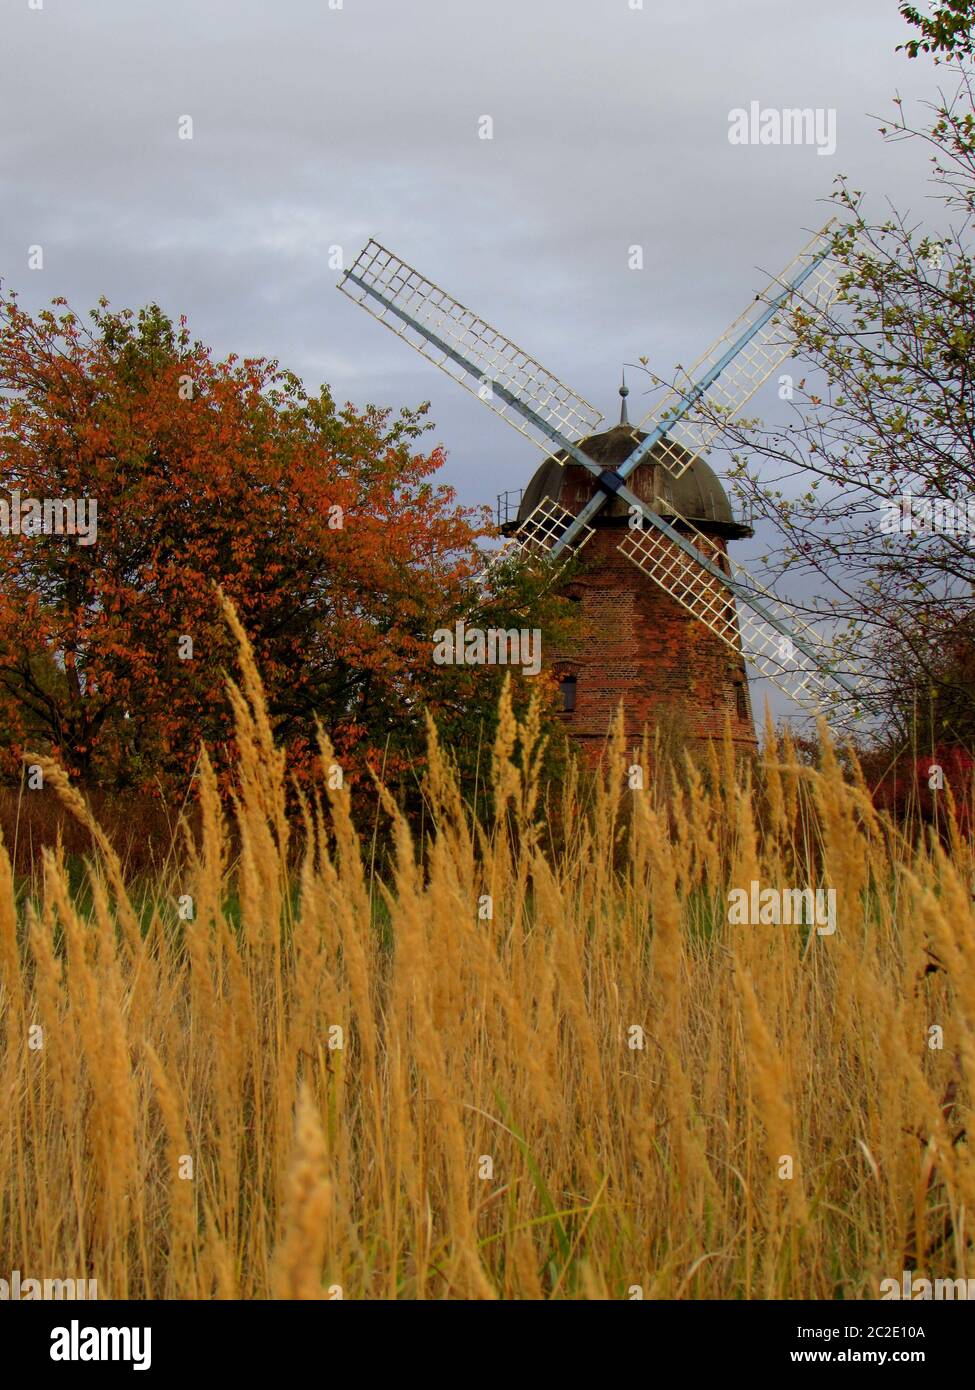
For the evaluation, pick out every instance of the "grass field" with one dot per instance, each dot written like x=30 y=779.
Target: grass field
x=505 y=1071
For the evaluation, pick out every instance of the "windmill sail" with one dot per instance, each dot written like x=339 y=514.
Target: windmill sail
x=727 y=376
x=778 y=643
x=537 y=535
x=545 y=526
x=484 y=361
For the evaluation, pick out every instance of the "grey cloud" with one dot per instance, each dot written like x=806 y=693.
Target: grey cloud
x=316 y=127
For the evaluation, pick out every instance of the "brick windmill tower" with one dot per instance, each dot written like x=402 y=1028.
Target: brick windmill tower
x=671 y=672
x=675 y=616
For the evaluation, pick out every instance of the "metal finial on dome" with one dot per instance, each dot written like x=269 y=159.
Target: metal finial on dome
x=624 y=392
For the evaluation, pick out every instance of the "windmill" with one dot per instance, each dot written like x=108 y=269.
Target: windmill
x=683 y=555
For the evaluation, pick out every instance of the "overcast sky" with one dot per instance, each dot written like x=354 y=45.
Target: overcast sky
x=316 y=126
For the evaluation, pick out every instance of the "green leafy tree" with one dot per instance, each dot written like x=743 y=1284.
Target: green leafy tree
x=868 y=482
x=948 y=30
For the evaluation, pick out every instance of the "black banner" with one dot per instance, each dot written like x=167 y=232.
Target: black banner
x=176 y=1339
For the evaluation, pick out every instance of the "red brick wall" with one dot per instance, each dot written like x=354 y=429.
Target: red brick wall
x=669 y=670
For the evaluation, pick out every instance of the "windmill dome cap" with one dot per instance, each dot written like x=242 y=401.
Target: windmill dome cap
x=697 y=494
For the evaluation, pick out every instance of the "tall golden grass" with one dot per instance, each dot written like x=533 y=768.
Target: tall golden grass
x=387 y=1086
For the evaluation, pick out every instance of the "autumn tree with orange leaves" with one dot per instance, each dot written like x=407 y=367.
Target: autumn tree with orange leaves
x=322 y=525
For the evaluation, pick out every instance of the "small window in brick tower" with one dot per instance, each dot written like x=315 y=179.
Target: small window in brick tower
x=742 y=702
x=567 y=685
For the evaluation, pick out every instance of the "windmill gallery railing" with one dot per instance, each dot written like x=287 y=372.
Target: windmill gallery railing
x=506 y=510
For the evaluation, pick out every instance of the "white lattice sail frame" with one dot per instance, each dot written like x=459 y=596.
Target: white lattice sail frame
x=468 y=349
x=750 y=368
x=772 y=653
x=537 y=534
